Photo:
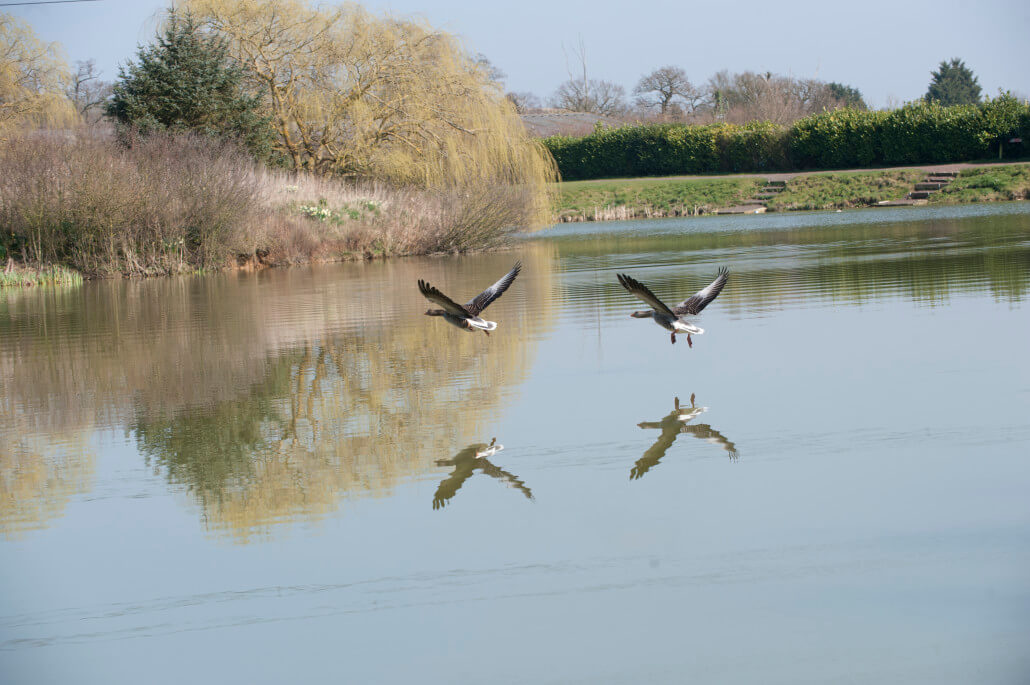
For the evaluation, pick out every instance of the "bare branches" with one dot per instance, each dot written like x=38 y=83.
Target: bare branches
x=353 y=94
x=668 y=90
x=33 y=77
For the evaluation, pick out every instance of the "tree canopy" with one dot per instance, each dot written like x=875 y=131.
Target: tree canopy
x=953 y=84
x=187 y=80
x=353 y=94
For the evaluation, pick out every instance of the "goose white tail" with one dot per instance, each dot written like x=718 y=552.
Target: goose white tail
x=687 y=328
x=483 y=325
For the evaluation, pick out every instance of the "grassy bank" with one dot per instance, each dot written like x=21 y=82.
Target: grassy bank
x=987 y=185
x=844 y=191
x=174 y=204
x=20 y=275
x=659 y=197
x=650 y=197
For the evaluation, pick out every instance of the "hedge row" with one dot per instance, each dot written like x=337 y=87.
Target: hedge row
x=918 y=133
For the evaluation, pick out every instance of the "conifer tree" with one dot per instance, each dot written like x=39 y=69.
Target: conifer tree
x=187 y=81
x=953 y=84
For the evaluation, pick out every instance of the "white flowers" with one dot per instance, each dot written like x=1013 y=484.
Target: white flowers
x=320 y=212
x=353 y=211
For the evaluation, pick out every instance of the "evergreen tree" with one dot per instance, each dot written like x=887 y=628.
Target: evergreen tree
x=953 y=84
x=848 y=96
x=188 y=82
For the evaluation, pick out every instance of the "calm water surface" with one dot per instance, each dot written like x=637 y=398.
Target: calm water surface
x=287 y=476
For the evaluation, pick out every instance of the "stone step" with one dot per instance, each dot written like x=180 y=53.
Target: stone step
x=764 y=196
x=951 y=174
x=943 y=180
x=742 y=209
x=929 y=186
x=776 y=184
x=900 y=203
x=920 y=194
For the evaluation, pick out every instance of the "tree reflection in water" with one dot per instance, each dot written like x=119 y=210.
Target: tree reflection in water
x=466 y=462
x=672 y=425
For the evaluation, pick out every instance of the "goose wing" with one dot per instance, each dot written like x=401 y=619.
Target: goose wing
x=705 y=432
x=481 y=301
x=641 y=291
x=695 y=303
x=433 y=294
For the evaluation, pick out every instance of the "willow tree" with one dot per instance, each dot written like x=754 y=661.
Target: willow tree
x=33 y=78
x=353 y=94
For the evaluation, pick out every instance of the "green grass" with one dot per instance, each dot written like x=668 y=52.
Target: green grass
x=16 y=276
x=844 y=191
x=986 y=185
x=642 y=197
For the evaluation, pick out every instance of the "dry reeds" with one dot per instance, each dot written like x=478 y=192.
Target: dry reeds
x=174 y=203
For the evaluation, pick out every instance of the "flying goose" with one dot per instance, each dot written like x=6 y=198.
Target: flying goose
x=467 y=318
x=672 y=319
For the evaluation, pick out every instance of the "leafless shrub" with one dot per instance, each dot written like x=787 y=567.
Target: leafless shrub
x=175 y=203
x=749 y=96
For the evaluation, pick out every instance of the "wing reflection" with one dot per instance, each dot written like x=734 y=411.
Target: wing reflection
x=671 y=426
x=466 y=462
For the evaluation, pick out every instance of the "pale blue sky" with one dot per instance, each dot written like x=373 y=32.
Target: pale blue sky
x=885 y=49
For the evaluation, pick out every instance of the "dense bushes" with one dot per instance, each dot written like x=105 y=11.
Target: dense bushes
x=917 y=133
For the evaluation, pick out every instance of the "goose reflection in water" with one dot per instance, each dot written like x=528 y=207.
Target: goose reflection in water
x=466 y=462
x=671 y=427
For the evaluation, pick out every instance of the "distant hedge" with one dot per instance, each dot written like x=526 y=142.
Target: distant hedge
x=918 y=133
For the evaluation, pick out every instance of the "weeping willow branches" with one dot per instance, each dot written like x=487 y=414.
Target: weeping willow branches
x=33 y=78
x=354 y=94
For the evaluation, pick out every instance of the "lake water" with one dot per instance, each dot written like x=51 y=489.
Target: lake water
x=285 y=476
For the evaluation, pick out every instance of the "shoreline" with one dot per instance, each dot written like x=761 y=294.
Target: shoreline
x=674 y=196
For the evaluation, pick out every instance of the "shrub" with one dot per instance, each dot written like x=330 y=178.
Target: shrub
x=175 y=203
x=837 y=139
x=918 y=133
x=755 y=146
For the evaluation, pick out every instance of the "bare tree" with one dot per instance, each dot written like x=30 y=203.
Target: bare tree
x=523 y=101
x=592 y=95
x=583 y=94
x=87 y=92
x=750 y=96
x=669 y=90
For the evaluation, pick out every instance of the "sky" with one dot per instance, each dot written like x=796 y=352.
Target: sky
x=886 y=49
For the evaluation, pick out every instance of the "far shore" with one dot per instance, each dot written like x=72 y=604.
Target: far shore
x=672 y=196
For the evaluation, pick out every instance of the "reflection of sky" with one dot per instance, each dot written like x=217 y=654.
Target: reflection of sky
x=874 y=527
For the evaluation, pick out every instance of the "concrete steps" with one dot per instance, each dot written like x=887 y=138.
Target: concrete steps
x=901 y=203
x=766 y=193
x=742 y=209
x=920 y=195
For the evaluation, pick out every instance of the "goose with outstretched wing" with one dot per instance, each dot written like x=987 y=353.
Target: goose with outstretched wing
x=672 y=318
x=468 y=317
